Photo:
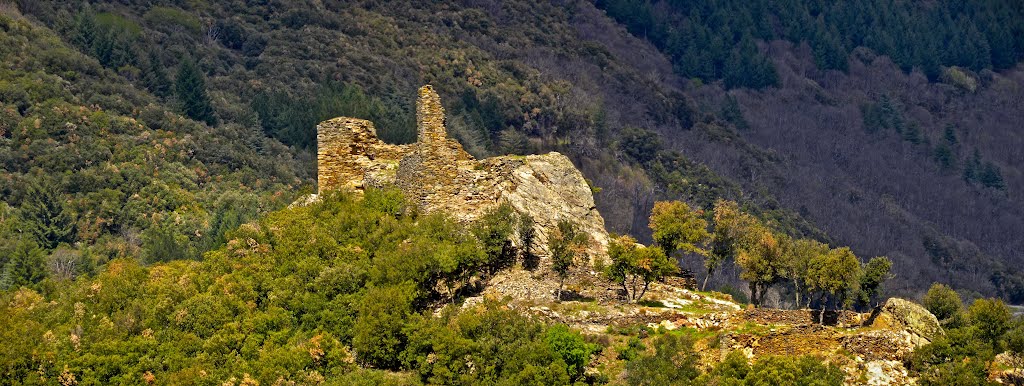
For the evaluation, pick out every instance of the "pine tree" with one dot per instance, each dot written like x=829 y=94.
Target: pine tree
x=190 y=87
x=84 y=29
x=156 y=79
x=26 y=265
x=47 y=219
x=972 y=169
x=991 y=177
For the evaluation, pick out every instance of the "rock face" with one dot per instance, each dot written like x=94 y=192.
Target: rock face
x=920 y=325
x=439 y=176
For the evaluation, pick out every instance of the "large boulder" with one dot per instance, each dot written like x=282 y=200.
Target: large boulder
x=920 y=326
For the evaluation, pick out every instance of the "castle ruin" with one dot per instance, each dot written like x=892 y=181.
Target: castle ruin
x=437 y=175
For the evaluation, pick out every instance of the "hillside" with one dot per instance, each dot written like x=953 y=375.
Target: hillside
x=530 y=78
x=350 y=290
x=93 y=169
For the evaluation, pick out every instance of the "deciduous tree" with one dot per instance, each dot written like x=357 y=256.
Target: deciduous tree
x=567 y=245
x=634 y=266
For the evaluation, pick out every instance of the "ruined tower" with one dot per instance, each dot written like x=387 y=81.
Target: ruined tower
x=438 y=176
x=429 y=172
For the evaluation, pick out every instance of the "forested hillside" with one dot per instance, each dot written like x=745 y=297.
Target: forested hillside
x=841 y=122
x=92 y=169
x=899 y=120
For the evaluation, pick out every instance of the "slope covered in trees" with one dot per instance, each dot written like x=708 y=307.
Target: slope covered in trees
x=92 y=169
x=813 y=144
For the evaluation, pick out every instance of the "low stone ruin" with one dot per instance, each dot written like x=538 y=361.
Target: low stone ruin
x=439 y=176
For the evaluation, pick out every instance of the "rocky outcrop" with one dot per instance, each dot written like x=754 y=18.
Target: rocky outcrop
x=919 y=325
x=439 y=176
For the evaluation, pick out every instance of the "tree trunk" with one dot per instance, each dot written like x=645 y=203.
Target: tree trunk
x=821 y=316
x=704 y=286
x=796 y=293
x=643 y=291
x=753 y=293
x=558 y=295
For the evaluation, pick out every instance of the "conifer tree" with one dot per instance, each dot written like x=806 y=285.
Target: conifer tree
x=156 y=79
x=190 y=87
x=46 y=217
x=26 y=265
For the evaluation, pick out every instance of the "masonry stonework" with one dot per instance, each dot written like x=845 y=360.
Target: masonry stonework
x=437 y=175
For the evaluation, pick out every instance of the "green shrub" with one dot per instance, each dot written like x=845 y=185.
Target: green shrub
x=173 y=17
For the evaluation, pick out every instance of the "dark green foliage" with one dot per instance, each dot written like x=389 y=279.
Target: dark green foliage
x=942 y=301
x=293 y=119
x=231 y=34
x=494 y=230
x=155 y=76
x=45 y=214
x=731 y=113
x=389 y=201
x=493 y=346
x=958 y=358
x=639 y=144
x=163 y=244
x=568 y=245
x=109 y=37
x=527 y=238
x=991 y=317
x=883 y=115
x=570 y=347
x=190 y=89
x=972 y=168
x=991 y=177
x=24 y=266
x=377 y=335
x=829 y=52
x=698 y=36
x=280 y=299
x=632 y=350
x=874 y=275
x=674 y=362
x=945 y=157
x=985 y=173
x=806 y=370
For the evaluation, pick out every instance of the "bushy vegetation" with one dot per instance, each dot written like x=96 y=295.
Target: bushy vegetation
x=93 y=170
x=299 y=295
x=966 y=354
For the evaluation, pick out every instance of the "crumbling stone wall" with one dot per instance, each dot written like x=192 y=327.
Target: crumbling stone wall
x=439 y=176
x=349 y=153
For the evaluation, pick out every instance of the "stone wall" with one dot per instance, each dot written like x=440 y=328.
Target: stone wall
x=349 y=154
x=439 y=176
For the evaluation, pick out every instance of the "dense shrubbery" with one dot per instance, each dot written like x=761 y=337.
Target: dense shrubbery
x=283 y=299
x=93 y=170
x=966 y=354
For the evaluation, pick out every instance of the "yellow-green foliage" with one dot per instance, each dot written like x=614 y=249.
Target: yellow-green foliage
x=168 y=16
x=957 y=77
x=290 y=296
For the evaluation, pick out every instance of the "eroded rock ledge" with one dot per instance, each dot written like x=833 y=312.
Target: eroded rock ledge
x=439 y=176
